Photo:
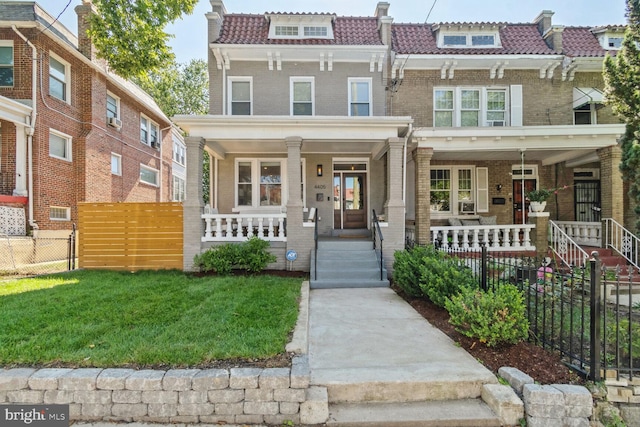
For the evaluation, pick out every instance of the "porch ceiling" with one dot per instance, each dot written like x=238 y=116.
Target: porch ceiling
x=267 y=134
x=547 y=144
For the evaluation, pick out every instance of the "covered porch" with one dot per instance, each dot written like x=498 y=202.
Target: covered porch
x=280 y=178
x=467 y=186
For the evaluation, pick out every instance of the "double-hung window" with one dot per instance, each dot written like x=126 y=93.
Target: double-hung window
x=113 y=106
x=360 y=97
x=259 y=182
x=469 y=107
x=179 y=188
x=302 y=96
x=59 y=145
x=240 y=96
x=451 y=185
x=149 y=132
x=6 y=63
x=59 y=78
x=179 y=152
x=116 y=164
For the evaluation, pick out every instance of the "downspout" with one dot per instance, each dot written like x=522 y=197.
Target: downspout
x=32 y=126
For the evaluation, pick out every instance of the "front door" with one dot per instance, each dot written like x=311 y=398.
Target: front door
x=349 y=200
x=520 y=208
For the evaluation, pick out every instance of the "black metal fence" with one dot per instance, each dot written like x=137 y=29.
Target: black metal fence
x=23 y=256
x=590 y=315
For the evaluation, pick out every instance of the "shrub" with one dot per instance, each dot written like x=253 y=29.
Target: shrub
x=251 y=255
x=407 y=268
x=443 y=276
x=493 y=317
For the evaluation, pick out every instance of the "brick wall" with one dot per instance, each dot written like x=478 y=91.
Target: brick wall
x=88 y=176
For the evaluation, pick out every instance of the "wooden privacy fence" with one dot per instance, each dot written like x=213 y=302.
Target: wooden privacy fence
x=130 y=236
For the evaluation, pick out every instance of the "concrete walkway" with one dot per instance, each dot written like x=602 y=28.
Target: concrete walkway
x=372 y=337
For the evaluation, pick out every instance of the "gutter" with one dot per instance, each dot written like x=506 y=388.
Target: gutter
x=32 y=125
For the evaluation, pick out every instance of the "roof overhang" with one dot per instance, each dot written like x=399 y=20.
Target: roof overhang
x=494 y=64
x=278 y=53
x=547 y=144
x=320 y=134
x=14 y=111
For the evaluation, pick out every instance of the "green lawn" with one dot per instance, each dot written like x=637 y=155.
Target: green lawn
x=109 y=319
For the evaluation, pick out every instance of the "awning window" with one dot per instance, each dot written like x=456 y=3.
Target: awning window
x=586 y=95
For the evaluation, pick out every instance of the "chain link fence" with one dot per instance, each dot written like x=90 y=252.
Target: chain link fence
x=24 y=256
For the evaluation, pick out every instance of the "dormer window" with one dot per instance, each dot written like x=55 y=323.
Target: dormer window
x=614 y=42
x=468 y=40
x=610 y=37
x=301 y=26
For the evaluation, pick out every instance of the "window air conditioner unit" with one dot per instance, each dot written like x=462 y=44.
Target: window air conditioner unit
x=498 y=123
x=115 y=122
x=467 y=207
x=154 y=143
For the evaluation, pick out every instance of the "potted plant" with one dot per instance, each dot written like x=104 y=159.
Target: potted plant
x=538 y=198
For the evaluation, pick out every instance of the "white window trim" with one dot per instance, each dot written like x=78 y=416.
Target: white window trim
x=457 y=108
x=67 y=213
x=255 y=183
x=454 y=203
x=67 y=77
x=469 y=37
x=230 y=81
x=593 y=112
x=173 y=187
x=368 y=80
x=150 y=169
x=117 y=98
x=9 y=43
x=292 y=81
x=119 y=157
x=68 y=149
x=150 y=123
x=184 y=153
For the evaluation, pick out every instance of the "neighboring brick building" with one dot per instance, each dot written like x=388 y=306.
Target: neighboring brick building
x=72 y=131
x=425 y=123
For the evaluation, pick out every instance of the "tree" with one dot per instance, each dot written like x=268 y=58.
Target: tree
x=130 y=34
x=622 y=84
x=178 y=88
x=181 y=89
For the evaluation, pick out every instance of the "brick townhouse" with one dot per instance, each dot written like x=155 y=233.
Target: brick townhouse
x=322 y=119
x=71 y=130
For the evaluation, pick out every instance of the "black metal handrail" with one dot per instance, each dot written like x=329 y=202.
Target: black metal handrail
x=315 y=258
x=378 y=231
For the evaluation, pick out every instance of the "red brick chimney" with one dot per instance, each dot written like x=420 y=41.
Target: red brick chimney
x=84 y=42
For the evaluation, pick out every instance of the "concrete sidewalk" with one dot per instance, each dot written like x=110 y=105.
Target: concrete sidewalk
x=373 y=336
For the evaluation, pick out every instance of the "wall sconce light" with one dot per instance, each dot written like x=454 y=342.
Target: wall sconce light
x=319 y=170
x=499 y=187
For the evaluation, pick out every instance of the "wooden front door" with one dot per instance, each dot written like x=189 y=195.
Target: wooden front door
x=520 y=208
x=349 y=198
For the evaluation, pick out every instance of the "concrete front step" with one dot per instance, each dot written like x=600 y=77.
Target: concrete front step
x=348 y=283
x=345 y=245
x=458 y=413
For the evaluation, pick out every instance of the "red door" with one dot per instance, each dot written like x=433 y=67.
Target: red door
x=520 y=208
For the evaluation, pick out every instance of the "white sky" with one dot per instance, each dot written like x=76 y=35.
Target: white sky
x=190 y=33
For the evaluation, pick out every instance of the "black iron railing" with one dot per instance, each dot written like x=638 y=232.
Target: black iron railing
x=587 y=314
x=315 y=257
x=377 y=236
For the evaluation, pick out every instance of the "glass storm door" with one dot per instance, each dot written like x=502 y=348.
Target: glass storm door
x=349 y=200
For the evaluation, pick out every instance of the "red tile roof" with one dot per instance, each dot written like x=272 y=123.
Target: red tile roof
x=254 y=29
x=580 y=41
x=520 y=39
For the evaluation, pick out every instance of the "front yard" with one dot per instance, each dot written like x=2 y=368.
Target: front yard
x=145 y=319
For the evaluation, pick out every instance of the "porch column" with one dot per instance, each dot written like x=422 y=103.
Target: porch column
x=298 y=238
x=611 y=185
x=21 y=162
x=422 y=158
x=539 y=235
x=394 y=205
x=193 y=225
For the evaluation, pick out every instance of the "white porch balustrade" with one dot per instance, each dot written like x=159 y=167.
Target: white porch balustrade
x=240 y=227
x=583 y=233
x=473 y=237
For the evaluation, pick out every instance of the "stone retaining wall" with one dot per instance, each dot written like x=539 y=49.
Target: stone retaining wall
x=237 y=395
